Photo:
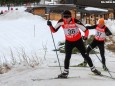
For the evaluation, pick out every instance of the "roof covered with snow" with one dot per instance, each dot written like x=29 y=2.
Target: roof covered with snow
x=97 y=3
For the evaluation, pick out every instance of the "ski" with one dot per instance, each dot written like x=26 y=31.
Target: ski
x=104 y=76
x=38 y=79
x=69 y=66
x=111 y=71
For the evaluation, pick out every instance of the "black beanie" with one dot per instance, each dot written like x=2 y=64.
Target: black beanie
x=66 y=12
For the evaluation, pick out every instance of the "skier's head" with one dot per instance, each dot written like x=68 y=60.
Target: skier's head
x=66 y=14
x=101 y=22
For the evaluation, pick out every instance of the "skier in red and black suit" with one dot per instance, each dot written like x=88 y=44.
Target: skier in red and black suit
x=101 y=32
x=73 y=39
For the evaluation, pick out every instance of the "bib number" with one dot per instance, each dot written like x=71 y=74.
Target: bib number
x=71 y=31
x=99 y=34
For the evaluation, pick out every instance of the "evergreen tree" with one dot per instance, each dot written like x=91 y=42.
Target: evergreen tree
x=17 y=2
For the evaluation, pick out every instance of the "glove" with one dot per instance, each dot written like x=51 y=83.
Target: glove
x=84 y=37
x=108 y=34
x=49 y=23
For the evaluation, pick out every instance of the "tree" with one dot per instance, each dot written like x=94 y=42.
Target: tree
x=17 y=2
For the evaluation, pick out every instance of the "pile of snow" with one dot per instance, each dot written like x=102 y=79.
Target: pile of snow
x=21 y=30
x=47 y=2
x=95 y=9
x=15 y=15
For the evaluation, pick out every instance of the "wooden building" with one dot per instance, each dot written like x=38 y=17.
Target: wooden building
x=52 y=12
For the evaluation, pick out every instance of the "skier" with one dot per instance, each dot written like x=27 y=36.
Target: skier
x=73 y=39
x=101 y=32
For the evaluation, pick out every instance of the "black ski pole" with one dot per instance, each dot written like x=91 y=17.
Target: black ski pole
x=56 y=50
x=100 y=60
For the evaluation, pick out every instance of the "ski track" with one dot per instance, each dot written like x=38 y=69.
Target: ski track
x=78 y=76
x=21 y=75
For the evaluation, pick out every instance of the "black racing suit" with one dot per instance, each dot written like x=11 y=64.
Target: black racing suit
x=99 y=44
x=80 y=46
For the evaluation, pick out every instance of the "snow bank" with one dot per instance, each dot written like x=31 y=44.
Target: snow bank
x=19 y=29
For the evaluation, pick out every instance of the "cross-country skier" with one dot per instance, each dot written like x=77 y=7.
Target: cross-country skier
x=73 y=39
x=99 y=38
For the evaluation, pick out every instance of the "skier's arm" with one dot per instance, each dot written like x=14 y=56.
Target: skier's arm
x=107 y=31
x=58 y=25
x=91 y=27
x=82 y=27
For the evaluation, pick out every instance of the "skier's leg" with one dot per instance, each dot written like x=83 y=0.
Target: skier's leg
x=82 y=50
x=102 y=53
x=90 y=47
x=80 y=46
x=68 y=51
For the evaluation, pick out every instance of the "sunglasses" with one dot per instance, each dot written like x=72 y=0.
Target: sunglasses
x=66 y=16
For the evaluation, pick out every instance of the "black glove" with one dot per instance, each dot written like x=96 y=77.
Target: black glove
x=49 y=23
x=84 y=37
x=107 y=34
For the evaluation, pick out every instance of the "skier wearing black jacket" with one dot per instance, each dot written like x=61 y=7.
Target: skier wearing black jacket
x=73 y=39
x=101 y=32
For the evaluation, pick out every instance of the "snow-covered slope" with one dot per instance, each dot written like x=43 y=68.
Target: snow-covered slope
x=19 y=29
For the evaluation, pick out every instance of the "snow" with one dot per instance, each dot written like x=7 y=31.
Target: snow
x=20 y=30
x=111 y=25
x=28 y=29
x=95 y=9
x=48 y=2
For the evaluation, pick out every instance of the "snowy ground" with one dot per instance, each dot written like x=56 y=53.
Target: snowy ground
x=24 y=76
x=19 y=31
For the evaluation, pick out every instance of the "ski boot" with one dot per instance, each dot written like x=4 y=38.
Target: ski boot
x=105 y=68
x=64 y=74
x=95 y=71
x=83 y=64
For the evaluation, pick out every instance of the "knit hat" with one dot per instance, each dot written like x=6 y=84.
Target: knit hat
x=101 y=21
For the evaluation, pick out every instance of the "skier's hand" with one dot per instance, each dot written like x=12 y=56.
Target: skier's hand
x=107 y=34
x=84 y=37
x=49 y=23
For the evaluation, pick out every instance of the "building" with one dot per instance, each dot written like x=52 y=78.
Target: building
x=77 y=7
x=52 y=12
x=94 y=15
